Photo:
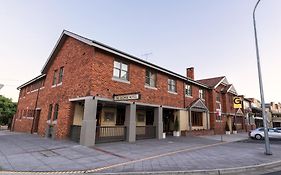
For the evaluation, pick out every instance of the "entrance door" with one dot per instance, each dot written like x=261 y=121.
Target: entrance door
x=36 y=120
x=168 y=121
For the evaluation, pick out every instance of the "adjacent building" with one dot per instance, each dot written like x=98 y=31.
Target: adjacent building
x=274 y=114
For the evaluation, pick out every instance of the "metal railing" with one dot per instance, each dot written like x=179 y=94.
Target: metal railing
x=145 y=132
x=110 y=133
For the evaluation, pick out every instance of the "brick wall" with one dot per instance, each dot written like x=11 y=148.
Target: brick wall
x=77 y=60
x=104 y=86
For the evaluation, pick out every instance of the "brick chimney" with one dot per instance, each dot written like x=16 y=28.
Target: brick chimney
x=190 y=73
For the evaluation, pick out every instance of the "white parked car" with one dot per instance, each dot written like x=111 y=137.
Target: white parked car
x=259 y=133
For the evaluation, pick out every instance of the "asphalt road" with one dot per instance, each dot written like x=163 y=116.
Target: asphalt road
x=274 y=173
x=271 y=141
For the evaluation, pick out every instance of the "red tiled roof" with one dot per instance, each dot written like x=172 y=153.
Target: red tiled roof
x=211 y=82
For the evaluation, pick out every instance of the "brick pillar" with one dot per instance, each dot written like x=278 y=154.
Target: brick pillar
x=208 y=119
x=89 y=123
x=190 y=120
x=158 y=122
x=130 y=122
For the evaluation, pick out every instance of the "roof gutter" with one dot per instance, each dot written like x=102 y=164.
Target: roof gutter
x=31 y=81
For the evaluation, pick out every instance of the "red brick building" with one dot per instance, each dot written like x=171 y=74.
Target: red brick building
x=91 y=92
x=220 y=105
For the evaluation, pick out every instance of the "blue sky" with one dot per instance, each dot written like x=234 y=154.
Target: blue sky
x=216 y=37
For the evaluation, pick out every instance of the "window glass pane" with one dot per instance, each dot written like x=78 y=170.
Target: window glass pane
x=116 y=72
x=152 y=83
x=50 y=111
x=124 y=67
x=117 y=64
x=60 y=75
x=123 y=75
x=147 y=80
x=56 y=112
x=147 y=73
x=55 y=77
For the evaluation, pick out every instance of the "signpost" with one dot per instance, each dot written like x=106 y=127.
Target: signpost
x=218 y=113
x=237 y=104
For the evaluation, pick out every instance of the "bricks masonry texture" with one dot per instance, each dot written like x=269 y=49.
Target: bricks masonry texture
x=88 y=71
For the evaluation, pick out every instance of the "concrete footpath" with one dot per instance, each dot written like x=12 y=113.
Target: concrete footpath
x=185 y=155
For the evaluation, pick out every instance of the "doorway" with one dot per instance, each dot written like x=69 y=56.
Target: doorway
x=36 y=120
x=168 y=121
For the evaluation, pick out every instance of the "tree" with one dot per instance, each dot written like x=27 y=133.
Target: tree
x=7 y=110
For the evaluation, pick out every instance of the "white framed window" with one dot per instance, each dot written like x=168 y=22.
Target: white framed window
x=188 y=90
x=201 y=94
x=218 y=97
x=60 y=75
x=55 y=77
x=150 y=78
x=172 y=86
x=50 y=111
x=120 y=70
x=56 y=112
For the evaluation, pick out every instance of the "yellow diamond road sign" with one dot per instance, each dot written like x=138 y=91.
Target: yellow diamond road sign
x=237 y=102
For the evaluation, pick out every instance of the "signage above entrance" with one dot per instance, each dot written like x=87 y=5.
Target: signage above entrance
x=125 y=97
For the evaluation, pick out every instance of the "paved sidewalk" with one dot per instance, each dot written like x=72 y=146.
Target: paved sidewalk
x=25 y=152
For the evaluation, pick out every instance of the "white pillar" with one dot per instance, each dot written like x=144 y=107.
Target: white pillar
x=158 y=122
x=89 y=123
x=130 y=122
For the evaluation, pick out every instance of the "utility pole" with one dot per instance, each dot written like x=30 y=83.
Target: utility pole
x=267 y=145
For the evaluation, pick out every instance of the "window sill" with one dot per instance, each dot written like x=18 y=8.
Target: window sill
x=218 y=102
x=120 y=80
x=175 y=93
x=56 y=85
x=150 y=87
x=34 y=90
x=59 y=84
x=188 y=96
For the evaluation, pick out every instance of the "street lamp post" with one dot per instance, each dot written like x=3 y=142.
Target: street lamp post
x=267 y=145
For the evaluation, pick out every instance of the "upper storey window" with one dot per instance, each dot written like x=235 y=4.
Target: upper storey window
x=150 y=78
x=55 y=77
x=120 y=70
x=58 y=76
x=172 y=87
x=218 y=97
x=188 y=90
x=201 y=94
